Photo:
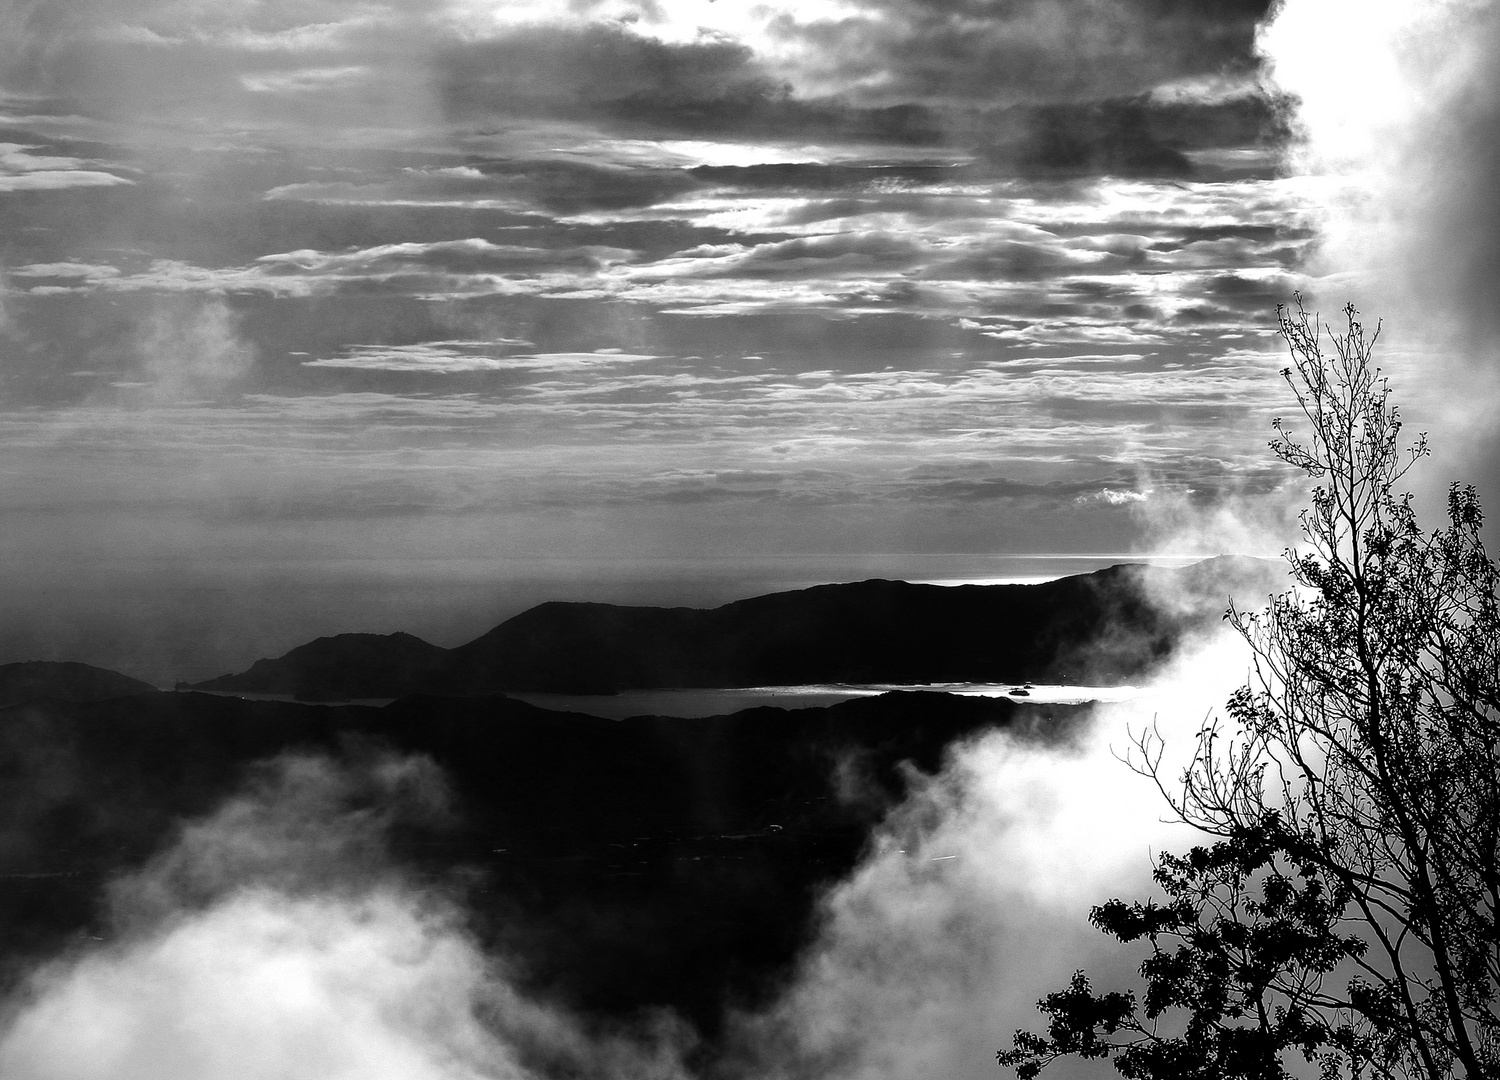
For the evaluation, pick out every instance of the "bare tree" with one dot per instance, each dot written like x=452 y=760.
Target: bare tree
x=1344 y=909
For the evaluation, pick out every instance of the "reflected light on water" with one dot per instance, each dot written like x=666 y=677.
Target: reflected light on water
x=694 y=703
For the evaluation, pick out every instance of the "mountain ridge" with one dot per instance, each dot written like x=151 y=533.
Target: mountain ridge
x=64 y=680
x=1107 y=627
x=645 y=863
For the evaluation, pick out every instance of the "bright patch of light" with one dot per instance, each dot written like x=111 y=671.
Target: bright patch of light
x=306 y=80
x=1357 y=67
x=675 y=21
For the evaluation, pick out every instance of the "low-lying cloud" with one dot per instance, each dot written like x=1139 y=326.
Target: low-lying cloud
x=278 y=938
x=973 y=902
x=1400 y=124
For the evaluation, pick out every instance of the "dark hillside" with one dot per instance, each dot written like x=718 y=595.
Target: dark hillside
x=870 y=631
x=624 y=864
x=64 y=681
x=342 y=667
x=1112 y=626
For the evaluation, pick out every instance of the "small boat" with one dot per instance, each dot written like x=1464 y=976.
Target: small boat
x=1019 y=691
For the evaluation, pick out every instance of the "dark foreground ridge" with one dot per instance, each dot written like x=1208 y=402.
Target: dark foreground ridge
x=63 y=681
x=1103 y=628
x=622 y=865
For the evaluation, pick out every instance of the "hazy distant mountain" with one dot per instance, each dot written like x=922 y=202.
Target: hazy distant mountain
x=343 y=667
x=1105 y=627
x=64 y=681
x=624 y=864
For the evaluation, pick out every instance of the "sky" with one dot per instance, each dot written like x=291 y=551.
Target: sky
x=404 y=314
x=324 y=315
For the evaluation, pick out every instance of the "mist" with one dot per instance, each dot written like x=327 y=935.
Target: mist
x=279 y=386
x=973 y=900
x=278 y=936
x=1398 y=105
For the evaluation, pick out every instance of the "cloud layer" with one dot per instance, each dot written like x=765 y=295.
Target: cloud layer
x=332 y=281
x=278 y=937
x=1400 y=126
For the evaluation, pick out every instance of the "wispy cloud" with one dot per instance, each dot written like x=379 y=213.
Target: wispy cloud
x=22 y=168
x=449 y=356
x=622 y=261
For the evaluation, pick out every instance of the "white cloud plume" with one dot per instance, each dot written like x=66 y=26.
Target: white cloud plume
x=192 y=349
x=1400 y=105
x=276 y=941
x=974 y=900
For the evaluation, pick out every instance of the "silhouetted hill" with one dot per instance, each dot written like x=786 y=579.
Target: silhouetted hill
x=64 y=681
x=624 y=864
x=343 y=667
x=1105 y=627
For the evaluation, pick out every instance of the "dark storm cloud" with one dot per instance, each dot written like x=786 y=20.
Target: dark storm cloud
x=914 y=72
x=608 y=73
x=568 y=186
x=605 y=69
x=1137 y=136
x=964 y=51
x=1126 y=137
x=898 y=71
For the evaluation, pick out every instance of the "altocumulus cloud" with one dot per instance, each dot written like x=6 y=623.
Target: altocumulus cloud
x=895 y=207
x=456 y=356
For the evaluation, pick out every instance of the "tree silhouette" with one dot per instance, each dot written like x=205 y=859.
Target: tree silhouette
x=1342 y=911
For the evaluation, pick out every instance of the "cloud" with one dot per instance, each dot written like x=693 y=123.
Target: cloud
x=446 y=357
x=893 y=72
x=58 y=180
x=22 y=169
x=1138 y=260
x=1401 y=124
x=1114 y=497
x=968 y=52
x=592 y=70
x=973 y=900
x=606 y=73
x=557 y=185
x=65 y=271
x=321 y=207
x=1250 y=512
x=193 y=349
x=900 y=72
x=468 y=256
x=278 y=938
x=1112 y=137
